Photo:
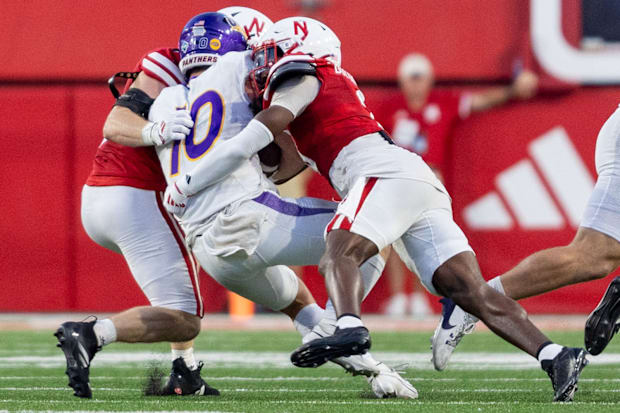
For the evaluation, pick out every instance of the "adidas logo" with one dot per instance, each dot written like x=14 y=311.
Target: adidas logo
x=545 y=191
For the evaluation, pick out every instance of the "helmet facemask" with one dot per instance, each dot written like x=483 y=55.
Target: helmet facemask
x=264 y=56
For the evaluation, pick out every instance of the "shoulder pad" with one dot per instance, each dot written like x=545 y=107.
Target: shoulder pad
x=290 y=70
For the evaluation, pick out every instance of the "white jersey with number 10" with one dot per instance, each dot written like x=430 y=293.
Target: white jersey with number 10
x=220 y=108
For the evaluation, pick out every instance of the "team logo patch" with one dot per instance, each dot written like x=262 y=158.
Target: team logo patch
x=215 y=44
x=184 y=46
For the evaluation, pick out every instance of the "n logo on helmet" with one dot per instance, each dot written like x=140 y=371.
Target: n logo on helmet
x=301 y=26
x=255 y=25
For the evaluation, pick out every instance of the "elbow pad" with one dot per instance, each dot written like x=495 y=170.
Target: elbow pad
x=137 y=101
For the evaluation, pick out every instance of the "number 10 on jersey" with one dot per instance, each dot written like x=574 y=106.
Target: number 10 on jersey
x=196 y=149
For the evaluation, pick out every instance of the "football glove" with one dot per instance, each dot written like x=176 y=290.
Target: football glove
x=174 y=128
x=175 y=200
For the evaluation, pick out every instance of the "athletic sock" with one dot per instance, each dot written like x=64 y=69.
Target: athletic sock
x=330 y=311
x=188 y=357
x=307 y=318
x=548 y=351
x=349 y=321
x=105 y=332
x=496 y=284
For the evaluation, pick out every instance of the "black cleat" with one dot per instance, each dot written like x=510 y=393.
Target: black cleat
x=184 y=381
x=604 y=321
x=79 y=343
x=344 y=342
x=564 y=371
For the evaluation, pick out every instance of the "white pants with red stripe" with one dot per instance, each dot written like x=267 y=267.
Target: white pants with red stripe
x=413 y=215
x=134 y=222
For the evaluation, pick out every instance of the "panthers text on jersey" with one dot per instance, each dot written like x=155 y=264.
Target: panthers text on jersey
x=335 y=118
x=220 y=108
x=138 y=167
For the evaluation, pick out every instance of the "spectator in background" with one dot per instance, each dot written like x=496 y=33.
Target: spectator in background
x=422 y=120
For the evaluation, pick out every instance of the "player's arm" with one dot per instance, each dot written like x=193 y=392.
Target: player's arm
x=127 y=122
x=523 y=87
x=289 y=100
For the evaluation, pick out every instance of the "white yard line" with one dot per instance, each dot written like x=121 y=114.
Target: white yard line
x=460 y=361
x=288 y=390
x=342 y=402
x=311 y=378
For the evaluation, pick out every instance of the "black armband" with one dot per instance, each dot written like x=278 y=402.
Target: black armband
x=137 y=101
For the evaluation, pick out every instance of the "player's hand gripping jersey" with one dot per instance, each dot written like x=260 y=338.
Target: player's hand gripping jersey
x=138 y=167
x=220 y=109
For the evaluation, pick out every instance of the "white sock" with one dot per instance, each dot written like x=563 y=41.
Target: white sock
x=188 y=357
x=307 y=318
x=105 y=332
x=349 y=321
x=330 y=311
x=549 y=352
x=496 y=284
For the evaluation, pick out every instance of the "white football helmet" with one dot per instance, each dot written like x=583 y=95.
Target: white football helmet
x=305 y=35
x=253 y=22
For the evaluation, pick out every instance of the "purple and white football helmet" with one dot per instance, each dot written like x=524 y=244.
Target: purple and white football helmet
x=207 y=36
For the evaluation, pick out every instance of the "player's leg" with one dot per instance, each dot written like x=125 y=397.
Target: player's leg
x=292 y=233
x=374 y=214
x=134 y=222
x=437 y=250
x=591 y=255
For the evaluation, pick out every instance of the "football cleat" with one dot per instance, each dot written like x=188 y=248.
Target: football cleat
x=384 y=381
x=564 y=371
x=604 y=322
x=79 y=344
x=344 y=342
x=453 y=326
x=183 y=381
x=388 y=384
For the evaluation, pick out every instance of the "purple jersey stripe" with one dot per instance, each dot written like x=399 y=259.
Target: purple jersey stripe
x=274 y=202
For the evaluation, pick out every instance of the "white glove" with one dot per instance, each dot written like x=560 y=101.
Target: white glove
x=175 y=201
x=174 y=128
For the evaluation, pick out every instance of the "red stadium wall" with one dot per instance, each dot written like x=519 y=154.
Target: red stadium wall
x=51 y=133
x=57 y=58
x=465 y=39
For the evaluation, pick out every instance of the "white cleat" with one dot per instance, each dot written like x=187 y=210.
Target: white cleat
x=453 y=325
x=388 y=383
x=384 y=381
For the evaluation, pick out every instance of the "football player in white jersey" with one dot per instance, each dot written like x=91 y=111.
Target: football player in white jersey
x=122 y=210
x=594 y=253
x=240 y=230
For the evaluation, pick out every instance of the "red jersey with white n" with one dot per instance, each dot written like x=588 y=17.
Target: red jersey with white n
x=335 y=118
x=121 y=165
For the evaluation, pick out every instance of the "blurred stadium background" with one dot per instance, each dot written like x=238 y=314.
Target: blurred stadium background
x=510 y=197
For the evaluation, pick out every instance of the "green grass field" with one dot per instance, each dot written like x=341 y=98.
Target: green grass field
x=252 y=372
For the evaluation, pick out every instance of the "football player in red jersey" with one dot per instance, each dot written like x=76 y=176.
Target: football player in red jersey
x=390 y=196
x=122 y=210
